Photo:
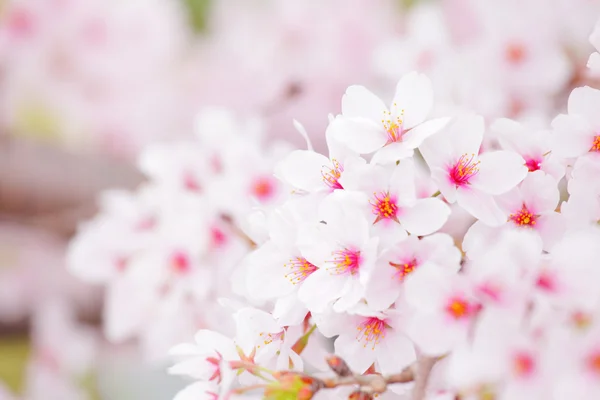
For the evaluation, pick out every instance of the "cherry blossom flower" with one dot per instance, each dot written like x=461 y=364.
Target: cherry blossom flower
x=468 y=177
x=343 y=251
x=445 y=309
x=312 y=172
x=533 y=146
x=530 y=206
x=390 y=201
x=398 y=263
x=576 y=133
x=366 y=338
x=367 y=125
x=594 y=61
x=582 y=209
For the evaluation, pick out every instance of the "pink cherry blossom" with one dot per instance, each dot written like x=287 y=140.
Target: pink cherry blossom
x=468 y=177
x=367 y=125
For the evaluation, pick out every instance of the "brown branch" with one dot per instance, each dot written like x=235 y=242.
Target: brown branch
x=373 y=383
x=44 y=186
x=423 y=371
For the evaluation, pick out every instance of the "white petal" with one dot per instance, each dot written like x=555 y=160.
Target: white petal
x=461 y=136
x=197 y=368
x=392 y=153
x=302 y=169
x=572 y=136
x=265 y=273
x=361 y=135
x=353 y=293
x=383 y=288
x=320 y=289
x=417 y=135
x=210 y=341
x=125 y=314
x=359 y=102
x=499 y=171
x=402 y=182
x=540 y=192
x=358 y=355
x=413 y=99
x=551 y=229
x=585 y=101
x=425 y=217
x=480 y=205
x=197 y=391
x=432 y=336
x=594 y=65
x=425 y=288
x=478 y=238
x=441 y=178
x=395 y=352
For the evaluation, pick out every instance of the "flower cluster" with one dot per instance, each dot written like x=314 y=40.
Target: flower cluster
x=93 y=75
x=456 y=243
x=167 y=252
x=485 y=57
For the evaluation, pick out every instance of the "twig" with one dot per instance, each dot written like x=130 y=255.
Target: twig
x=422 y=373
x=371 y=383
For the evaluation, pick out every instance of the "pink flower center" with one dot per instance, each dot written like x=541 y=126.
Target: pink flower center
x=190 y=182
x=300 y=269
x=524 y=217
x=120 y=263
x=346 y=261
x=464 y=169
x=581 y=319
x=593 y=363
x=263 y=188
x=546 y=281
x=459 y=308
x=393 y=126
x=384 y=207
x=596 y=143
x=523 y=364
x=515 y=53
x=145 y=224
x=270 y=337
x=533 y=164
x=20 y=23
x=371 y=331
x=332 y=175
x=218 y=238
x=180 y=262
x=404 y=269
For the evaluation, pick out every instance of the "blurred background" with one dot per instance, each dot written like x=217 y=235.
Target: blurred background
x=86 y=84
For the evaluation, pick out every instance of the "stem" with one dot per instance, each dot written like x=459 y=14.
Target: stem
x=371 y=383
x=423 y=371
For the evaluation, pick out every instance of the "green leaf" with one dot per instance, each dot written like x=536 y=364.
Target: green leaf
x=198 y=12
x=13 y=360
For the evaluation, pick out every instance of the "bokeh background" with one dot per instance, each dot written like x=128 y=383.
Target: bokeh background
x=86 y=84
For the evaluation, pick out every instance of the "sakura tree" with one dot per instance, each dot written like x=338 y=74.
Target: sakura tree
x=441 y=248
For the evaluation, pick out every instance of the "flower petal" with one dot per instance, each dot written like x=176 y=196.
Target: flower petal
x=425 y=217
x=413 y=99
x=359 y=102
x=480 y=205
x=302 y=169
x=572 y=136
x=499 y=171
x=359 y=134
x=415 y=137
x=584 y=101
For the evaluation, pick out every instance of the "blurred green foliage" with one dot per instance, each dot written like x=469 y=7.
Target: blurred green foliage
x=14 y=352
x=198 y=11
